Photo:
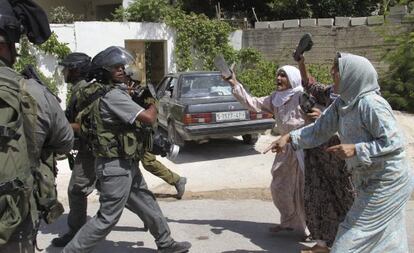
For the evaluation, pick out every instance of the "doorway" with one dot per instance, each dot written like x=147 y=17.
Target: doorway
x=150 y=59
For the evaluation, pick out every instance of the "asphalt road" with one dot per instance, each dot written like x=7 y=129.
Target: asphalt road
x=210 y=218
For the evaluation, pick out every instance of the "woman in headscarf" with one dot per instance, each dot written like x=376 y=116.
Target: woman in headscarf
x=373 y=147
x=287 y=170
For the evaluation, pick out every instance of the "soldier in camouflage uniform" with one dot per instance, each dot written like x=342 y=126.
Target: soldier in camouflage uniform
x=82 y=181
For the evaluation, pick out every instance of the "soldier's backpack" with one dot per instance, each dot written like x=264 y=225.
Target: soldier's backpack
x=26 y=186
x=16 y=180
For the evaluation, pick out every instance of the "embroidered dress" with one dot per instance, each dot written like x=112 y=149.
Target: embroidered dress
x=380 y=170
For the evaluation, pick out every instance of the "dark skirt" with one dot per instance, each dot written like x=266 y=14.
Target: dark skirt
x=329 y=192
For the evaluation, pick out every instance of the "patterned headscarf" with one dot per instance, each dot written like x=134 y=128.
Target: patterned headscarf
x=358 y=78
x=295 y=81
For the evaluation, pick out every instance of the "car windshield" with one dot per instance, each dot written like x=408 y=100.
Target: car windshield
x=204 y=86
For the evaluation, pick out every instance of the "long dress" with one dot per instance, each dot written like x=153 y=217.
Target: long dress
x=329 y=192
x=287 y=174
x=380 y=174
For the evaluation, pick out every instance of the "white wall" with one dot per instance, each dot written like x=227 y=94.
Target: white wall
x=93 y=37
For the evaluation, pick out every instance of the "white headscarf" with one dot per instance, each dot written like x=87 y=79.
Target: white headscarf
x=358 y=78
x=295 y=81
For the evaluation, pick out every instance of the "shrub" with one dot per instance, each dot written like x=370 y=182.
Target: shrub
x=397 y=84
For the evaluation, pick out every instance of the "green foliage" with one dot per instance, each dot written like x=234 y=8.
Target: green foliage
x=321 y=72
x=285 y=9
x=198 y=39
x=61 y=15
x=26 y=57
x=260 y=80
x=51 y=46
x=54 y=47
x=397 y=84
x=348 y=8
x=145 y=11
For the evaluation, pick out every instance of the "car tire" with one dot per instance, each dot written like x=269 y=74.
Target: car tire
x=250 y=139
x=173 y=136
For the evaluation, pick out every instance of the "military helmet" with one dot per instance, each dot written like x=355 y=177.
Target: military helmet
x=23 y=17
x=76 y=61
x=112 y=56
x=105 y=60
x=10 y=27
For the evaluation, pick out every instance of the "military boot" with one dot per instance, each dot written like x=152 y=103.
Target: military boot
x=61 y=242
x=176 y=247
x=180 y=186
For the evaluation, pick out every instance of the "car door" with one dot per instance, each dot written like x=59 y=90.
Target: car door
x=165 y=93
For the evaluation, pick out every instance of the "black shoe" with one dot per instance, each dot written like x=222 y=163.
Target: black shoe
x=305 y=44
x=176 y=247
x=61 y=242
x=180 y=186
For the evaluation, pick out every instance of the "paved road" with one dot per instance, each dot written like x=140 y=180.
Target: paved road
x=233 y=225
x=212 y=226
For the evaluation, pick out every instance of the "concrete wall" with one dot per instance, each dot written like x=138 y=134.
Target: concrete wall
x=278 y=44
x=359 y=35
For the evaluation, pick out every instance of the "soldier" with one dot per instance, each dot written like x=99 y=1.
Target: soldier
x=155 y=167
x=149 y=160
x=111 y=124
x=82 y=181
x=32 y=128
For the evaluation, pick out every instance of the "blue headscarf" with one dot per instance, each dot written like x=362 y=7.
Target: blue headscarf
x=358 y=78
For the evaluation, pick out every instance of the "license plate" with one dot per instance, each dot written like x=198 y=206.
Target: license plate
x=229 y=116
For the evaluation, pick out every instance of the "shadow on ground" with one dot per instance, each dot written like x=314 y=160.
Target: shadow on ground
x=256 y=232
x=215 y=149
x=59 y=227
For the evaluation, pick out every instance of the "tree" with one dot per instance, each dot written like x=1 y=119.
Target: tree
x=348 y=8
x=397 y=84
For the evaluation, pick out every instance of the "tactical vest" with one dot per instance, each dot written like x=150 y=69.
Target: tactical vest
x=27 y=185
x=17 y=112
x=106 y=140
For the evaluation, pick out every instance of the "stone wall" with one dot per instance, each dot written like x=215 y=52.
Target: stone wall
x=361 y=35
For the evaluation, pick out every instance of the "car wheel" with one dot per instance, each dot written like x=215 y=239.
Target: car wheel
x=250 y=139
x=173 y=135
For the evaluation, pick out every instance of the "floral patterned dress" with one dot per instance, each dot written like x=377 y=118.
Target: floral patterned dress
x=329 y=192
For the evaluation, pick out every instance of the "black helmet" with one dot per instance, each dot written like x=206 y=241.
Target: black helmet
x=76 y=61
x=79 y=61
x=111 y=57
x=23 y=16
x=10 y=27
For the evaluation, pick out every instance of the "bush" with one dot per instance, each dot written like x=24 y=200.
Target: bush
x=397 y=84
x=61 y=15
x=51 y=46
